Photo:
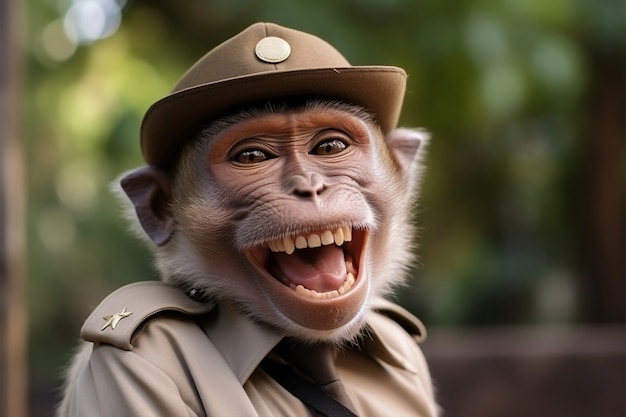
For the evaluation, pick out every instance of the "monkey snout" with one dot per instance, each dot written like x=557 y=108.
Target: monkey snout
x=309 y=186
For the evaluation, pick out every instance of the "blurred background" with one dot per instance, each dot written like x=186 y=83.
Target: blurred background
x=522 y=216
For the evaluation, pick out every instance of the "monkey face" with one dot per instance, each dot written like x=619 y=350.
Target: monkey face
x=299 y=217
x=303 y=221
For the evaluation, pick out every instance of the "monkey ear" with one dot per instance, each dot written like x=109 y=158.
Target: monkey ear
x=407 y=147
x=149 y=190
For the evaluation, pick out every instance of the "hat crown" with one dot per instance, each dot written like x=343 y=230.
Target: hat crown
x=237 y=57
x=265 y=62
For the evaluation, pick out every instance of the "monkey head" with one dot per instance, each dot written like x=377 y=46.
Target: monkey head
x=292 y=200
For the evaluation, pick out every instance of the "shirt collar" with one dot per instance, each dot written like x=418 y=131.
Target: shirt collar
x=381 y=341
x=243 y=342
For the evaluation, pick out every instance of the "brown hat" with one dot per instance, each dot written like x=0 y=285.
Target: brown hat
x=264 y=62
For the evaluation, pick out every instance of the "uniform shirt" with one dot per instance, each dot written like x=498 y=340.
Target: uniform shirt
x=174 y=356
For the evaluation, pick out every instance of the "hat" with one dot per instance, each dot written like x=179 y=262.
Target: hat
x=265 y=62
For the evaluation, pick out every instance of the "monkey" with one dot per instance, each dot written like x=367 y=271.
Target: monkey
x=280 y=223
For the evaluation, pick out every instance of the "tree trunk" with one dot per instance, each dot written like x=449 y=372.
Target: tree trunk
x=12 y=306
x=603 y=215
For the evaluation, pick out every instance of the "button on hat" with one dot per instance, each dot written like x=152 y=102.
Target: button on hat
x=272 y=49
x=264 y=62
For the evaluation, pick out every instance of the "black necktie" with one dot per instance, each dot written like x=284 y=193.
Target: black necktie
x=316 y=363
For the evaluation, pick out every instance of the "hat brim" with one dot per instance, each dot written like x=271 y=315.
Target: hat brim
x=169 y=122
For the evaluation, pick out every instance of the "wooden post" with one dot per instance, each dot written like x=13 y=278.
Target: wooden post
x=602 y=197
x=12 y=306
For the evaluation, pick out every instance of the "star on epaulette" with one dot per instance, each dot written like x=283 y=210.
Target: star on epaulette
x=113 y=319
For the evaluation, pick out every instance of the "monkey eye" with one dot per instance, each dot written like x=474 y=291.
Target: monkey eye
x=329 y=147
x=251 y=156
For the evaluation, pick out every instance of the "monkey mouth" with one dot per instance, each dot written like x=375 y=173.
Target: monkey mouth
x=318 y=265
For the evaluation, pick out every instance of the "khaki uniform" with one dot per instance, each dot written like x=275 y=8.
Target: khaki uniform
x=174 y=356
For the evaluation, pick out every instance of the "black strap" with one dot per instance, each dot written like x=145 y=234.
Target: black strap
x=309 y=393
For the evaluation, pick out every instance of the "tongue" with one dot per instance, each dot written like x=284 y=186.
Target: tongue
x=320 y=269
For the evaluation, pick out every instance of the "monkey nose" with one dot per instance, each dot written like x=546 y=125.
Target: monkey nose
x=309 y=186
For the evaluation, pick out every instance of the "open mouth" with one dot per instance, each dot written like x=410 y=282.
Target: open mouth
x=318 y=265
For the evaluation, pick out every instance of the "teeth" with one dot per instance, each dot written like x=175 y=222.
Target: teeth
x=347 y=234
x=314 y=241
x=301 y=242
x=327 y=238
x=289 y=244
x=274 y=246
x=338 y=235
x=304 y=291
x=347 y=284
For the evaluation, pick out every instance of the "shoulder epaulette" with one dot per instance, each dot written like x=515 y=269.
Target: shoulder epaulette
x=120 y=314
x=408 y=321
